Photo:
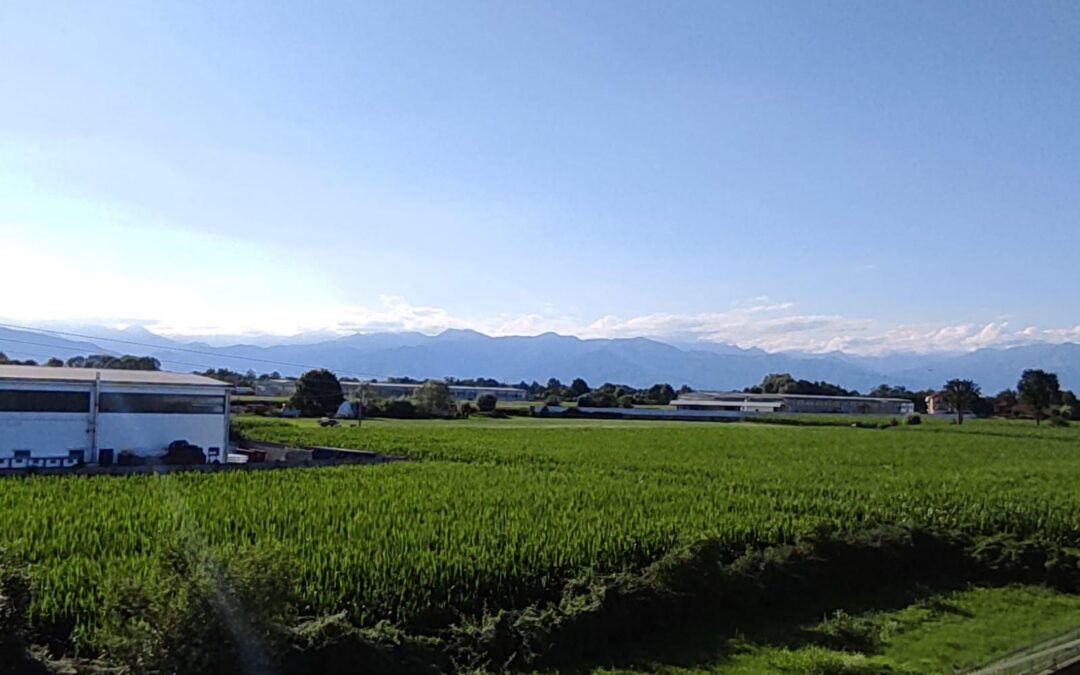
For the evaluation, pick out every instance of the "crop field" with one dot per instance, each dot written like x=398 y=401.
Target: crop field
x=502 y=513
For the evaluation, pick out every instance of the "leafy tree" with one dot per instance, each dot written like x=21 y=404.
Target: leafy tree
x=54 y=362
x=4 y=360
x=110 y=362
x=777 y=383
x=579 y=387
x=685 y=389
x=660 y=393
x=434 y=398
x=1070 y=406
x=1005 y=402
x=960 y=394
x=230 y=376
x=626 y=401
x=486 y=402
x=598 y=398
x=784 y=383
x=1039 y=390
x=888 y=391
x=318 y=392
x=553 y=400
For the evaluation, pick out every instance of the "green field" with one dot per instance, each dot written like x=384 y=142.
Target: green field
x=501 y=514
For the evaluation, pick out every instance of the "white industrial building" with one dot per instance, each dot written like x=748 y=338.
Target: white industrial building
x=54 y=417
x=738 y=401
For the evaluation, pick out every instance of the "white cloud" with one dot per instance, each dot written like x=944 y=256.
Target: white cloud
x=171 y=300
x=769 y=326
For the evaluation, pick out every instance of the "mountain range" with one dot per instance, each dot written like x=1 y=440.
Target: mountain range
x=633 y=361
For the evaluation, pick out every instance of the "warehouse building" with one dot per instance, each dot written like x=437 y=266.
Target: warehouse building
x=55 y=417
x=460 y=393
x=738 y=401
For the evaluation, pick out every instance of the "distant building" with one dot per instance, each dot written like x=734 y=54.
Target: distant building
x=793 y=403
x=937 y=405
x=280 y=387
x=460 y=393
x=390 y=390
x=54 y=417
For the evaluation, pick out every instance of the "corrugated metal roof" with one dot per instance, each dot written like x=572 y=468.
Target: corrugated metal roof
x=48 y=374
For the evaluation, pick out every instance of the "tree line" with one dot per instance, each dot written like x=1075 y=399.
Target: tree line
x=1038 y=393
x=101 y=361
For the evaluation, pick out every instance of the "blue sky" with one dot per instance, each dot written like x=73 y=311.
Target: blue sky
x=867 y=176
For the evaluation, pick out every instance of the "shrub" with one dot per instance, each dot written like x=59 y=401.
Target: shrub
x=552 y=400
x=400 y=409
x=486 y=402
x=1058 y=421
x=466 y=409
x=913 y=418
x=626 y=401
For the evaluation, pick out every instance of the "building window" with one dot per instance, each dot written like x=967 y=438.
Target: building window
x=180 y=404
x=44 y=401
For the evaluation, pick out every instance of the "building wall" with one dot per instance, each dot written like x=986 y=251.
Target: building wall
x=149 y=434
x=45 y=434
x=847 y=407
x=797 y=404
x=54 y=434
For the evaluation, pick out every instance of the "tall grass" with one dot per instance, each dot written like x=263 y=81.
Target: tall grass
x=499 y=518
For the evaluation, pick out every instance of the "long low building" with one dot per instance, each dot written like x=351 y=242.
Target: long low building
x=460 y=393
x=352 y=388
x=68 y=416
x=738 y=401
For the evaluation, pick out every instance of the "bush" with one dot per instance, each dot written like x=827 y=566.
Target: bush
x=626 y=401
x=190 y=626
x=552 y=400
x=913 y=418
x=1058 y=421
x=486 y=402
x=466 y=409
x=402 y=409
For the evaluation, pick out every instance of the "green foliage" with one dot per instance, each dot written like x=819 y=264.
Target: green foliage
x=960 y=394
x=912 y=419
x=579 y=387
x=784 y=383
x=503 y=519
x=486 y=402
x=433 y=398
x=658 y=394
x=1039 y=390
x=318 y=393
x=108 y=361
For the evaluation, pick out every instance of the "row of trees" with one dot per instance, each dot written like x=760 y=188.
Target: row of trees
x=1038 y=394
x=784 y=383
x=106 y=361
x=318 y=392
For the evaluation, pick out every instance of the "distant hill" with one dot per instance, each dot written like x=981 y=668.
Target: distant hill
x=633 y=361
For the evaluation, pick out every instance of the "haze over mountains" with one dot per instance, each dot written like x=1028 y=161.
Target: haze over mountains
x=633 y=361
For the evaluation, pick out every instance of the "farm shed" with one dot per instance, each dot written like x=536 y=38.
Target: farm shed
x=53 y=417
